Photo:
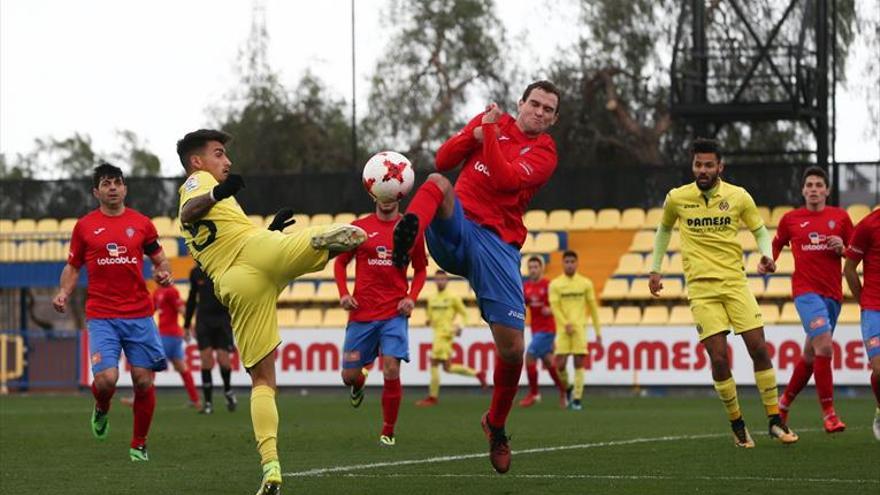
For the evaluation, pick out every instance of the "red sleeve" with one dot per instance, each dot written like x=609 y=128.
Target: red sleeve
x=178 y=301
x=782 y=237
x=458 y=147
x=847 y=231
x=151 y=239
x=339 y=272
x=531 y=169
x=77 y=254
x=860 y=242
x=420 y=271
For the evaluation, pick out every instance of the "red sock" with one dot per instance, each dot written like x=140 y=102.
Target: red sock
x=190 y=387
x=102 y=398
x=554 y=374
x=391 y=395
x=506 y=378
x=875 y=385
x=425 y=203
x=824 y=383
x=359 y=381
x=532 y=373
x=799 y=378
x=144 y=405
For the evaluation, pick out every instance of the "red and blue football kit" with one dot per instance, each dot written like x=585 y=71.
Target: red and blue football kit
x=537 y=299
x=168 y=303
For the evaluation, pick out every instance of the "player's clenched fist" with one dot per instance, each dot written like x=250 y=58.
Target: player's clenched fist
x=228 y=187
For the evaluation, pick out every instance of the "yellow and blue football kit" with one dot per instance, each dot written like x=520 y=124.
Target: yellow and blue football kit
x=442 y=309
x=570 y=297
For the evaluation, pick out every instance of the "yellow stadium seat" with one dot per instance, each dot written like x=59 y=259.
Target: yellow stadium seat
x=546 y=242
x=632 y=218
x=475 y=319
x=777 y=213
x=583 y=219
x=165 y=226
x=428 y=291
x=323 y=274
x=652 y=218
x=607 y=219
x=460 y=287
x=321 y=219
x=681 y=316
x=528 y=244
x=327 y=292
x=630 y=264
x=308 y=318
x=335 y=318
x=66 y=225
x=606 y=315
x=302 y=220
x=628 y=315
x=535 y=220
x=285 y=295
x=286 y=318
x=672 y=288
x=770 y=314
x=27 y=251
x=655 y=315
x=559 y=220
x=51 y=251
x=47 y=225
x=344 y=217
x=675 y=266
x=170 y=246
x=639 y=290
x=615 y=289
x=849 y=313
x=302 y=292
x=778 y=287
x=785 y=263
x=6 y=226
x=643 y=242
x=788 y=315
x=418 y=317
x=24 y=226
x=857 y=212
x=751 y=263
x=757 y=285
x=747 y=240
x=765 y=214
x=7 y=251
x=674 y=241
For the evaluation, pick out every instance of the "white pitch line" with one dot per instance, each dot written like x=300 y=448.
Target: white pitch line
x=615 y=477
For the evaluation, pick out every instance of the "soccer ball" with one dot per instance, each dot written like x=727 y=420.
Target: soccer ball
x=388 y=176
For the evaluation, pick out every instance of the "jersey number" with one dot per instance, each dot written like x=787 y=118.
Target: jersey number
x=193 y=230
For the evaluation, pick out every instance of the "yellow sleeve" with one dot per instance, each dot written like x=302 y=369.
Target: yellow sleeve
x=670 y=215
x=197 y=184
x=555 y=304
x=458 y=305
x=428 y=312
x=749 y=214
x=590 y=295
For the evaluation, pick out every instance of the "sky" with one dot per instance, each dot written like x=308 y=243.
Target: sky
x=157 y=67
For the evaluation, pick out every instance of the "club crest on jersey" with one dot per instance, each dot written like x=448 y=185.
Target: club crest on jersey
x=723 y=205
x=831 y=224
x=191 y=184
x=129 y=232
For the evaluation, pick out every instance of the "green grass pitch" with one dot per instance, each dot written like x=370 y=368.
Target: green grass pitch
x=618 y=444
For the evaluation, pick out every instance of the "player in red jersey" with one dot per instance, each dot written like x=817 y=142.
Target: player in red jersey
x=536 y=290
x=864 y=246
x=476 y=230
x=379 y=311
x=111 y=242
x=817 y=234
x=169 y=305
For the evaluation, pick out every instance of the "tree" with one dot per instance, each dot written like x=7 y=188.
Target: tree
x=141 y=161
x=440 y=53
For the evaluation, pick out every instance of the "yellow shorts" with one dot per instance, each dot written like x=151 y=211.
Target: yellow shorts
x=441 y=348
x=719 y=305
x=574 y=343
x=251 y=285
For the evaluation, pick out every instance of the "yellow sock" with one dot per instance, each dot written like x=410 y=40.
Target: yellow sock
x=578 y=391
x=264 y=415
x=459 y=369
x=563 y=377
x=434 y=387
x=766 y=382
x=727 y=393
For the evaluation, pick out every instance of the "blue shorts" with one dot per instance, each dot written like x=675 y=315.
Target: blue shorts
x=138 y=337
x=364 y=340
x=871 y=332
x=462 y=247
x=173 y=347
x=818 y=314
x=541 y=344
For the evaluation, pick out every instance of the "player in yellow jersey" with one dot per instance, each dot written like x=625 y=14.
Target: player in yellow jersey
x=571 y=294
x=249 y=266
x=442 y=309
x=709 y=212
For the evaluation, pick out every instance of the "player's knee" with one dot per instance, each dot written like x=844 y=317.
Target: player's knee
x=349 y=375
x=875 y=366
x=104 y=382
x=512 y=353
x=142 y=381
x=760 y=355
x=720 y=364
x=440 y=181
x=391 y=370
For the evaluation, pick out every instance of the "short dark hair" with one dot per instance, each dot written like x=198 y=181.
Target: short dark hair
x=536 y=258
x=546 y=86
x=569 y=254
x=705 y=145
x=195 y=141
x=816 y=172
x=439 y=272
x=106 y=171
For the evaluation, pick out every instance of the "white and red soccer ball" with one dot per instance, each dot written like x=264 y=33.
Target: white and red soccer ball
x=388 y=176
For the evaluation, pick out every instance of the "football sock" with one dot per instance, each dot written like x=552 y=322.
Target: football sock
x=563 y=378
x=578 y=391
x=799 y=378
x=765 y=380
x=460 y=369
x=190 y=386
x=434 y=387
x=207 y=385
x=727 y=393
x=554 y=374
x=102 y=398
x=532 y=373
x=264 y=416
x=824 y=384
x=226 y=374
x=391 y=395
x=875 y=385
x=425 y=203
x=506 y=379
x=360 y=379
x=143 y=407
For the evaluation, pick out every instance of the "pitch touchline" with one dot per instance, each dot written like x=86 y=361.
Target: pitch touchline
x=451 y=458
x=612 y=477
